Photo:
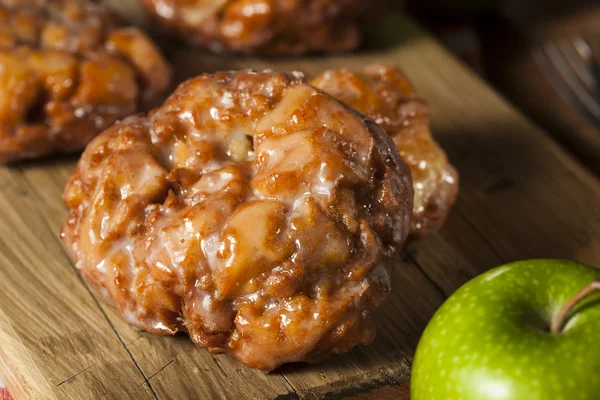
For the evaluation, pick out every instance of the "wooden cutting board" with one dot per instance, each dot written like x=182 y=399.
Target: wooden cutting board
x=521 y=196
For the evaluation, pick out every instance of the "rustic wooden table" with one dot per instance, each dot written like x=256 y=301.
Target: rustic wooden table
x=521 y=196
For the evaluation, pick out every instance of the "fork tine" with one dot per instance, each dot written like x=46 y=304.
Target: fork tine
x=569 y=77
x=560 y=86
x=578 y=54
x=595 y=67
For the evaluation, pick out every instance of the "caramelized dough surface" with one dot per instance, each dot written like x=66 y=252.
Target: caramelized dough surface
x=251 y=210
x=265 y=26
x=69 y=70
x=384 y=94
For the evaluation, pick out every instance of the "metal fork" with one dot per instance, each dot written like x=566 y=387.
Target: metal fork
x=574 y=70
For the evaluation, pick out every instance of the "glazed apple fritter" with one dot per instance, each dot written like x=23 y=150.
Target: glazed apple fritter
x=68 y=70
x=252 y=211
x=384 y=94
x=266 y=26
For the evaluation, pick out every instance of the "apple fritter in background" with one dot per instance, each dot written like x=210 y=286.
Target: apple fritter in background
x=266 y=26
x=384 y=94
x=68 y=70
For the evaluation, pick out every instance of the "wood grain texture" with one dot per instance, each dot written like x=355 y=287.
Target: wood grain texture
x=55 y=340
x=522 y=196
x=396 y=392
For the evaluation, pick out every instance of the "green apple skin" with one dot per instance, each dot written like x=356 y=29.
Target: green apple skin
x=490 y=340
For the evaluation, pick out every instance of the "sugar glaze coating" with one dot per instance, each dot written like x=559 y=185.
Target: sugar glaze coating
x=252 y=211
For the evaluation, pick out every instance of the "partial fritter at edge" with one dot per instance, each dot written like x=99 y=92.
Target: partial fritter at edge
x=266 y=26
x=383 y=93
x=251 y=210
x=68 y=70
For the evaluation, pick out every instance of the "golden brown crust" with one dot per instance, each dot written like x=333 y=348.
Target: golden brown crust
x=265 y=26
x=251 y=210
x=384 y=94
x=68 y=70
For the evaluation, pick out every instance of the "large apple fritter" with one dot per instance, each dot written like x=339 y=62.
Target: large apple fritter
x=69 y=70
x=384 y=94
x=266 y=26
x=251 y=210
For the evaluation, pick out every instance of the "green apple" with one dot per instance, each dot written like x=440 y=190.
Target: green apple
x=529 y=330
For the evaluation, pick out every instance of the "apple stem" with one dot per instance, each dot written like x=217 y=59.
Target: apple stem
x=560 y=319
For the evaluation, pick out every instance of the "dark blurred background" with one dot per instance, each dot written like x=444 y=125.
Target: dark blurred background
x=543 y=55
